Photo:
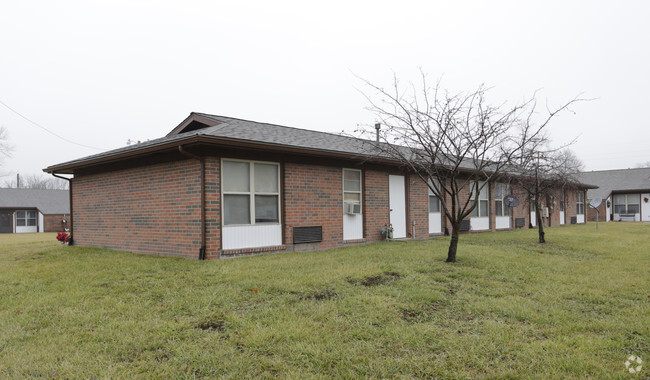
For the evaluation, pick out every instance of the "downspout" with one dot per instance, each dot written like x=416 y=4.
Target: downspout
x=70 y=200
x=203 y=234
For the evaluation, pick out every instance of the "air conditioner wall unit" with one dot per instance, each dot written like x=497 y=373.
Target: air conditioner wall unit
x=352 y=208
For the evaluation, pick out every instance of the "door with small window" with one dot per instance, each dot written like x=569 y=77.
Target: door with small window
x=435 y=214
x=501 y=210
x=480 y=216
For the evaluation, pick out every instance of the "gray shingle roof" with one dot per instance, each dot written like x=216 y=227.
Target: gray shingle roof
x=46 y=201
x=620 y=180
x=252 y=131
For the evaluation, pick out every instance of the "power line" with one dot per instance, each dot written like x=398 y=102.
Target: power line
x=47 y=130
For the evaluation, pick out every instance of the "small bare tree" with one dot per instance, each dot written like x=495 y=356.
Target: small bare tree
x=541 y=171
x=456 y=143
x=36 y=181
x=5 y=147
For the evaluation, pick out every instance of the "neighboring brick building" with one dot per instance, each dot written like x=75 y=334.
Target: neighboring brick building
x=625 y=194
x=238 y=187
x=34 y=210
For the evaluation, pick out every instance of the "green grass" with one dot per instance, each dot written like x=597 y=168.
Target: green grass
x=510 y=308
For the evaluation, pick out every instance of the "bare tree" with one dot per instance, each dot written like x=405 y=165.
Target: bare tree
x=456 y=143
x=541 y=171
x=643 y=165
x=38 y=181
x=5 y=147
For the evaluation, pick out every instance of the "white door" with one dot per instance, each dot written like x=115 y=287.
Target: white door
x=397 y=199
x=533 y=218
x=561 y=217
x=645 y=208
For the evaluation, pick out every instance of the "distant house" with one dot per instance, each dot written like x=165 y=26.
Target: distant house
x=218 y=187
x=625 y=194
x=32 y=210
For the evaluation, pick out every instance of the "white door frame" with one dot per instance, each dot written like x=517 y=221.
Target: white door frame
x=397 y=204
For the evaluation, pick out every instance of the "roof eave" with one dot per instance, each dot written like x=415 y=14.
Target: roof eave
x=211 y=140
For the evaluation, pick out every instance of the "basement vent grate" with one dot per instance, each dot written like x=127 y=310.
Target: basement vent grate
x=520 y=222
x=574 y=220
x=464 y=225
x=313 y=234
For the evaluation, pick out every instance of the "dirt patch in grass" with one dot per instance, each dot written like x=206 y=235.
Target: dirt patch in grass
x=211 y=326
x=377 y=279
x=419 y=315
x=326 y=294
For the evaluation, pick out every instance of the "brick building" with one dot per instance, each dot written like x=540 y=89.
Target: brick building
x=218 y=187
x=625 y=194
x=34 y=210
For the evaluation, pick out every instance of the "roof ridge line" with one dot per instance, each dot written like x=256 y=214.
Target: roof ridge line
x=284 y=126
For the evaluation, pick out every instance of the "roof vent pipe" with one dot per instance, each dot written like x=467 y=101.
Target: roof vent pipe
x=377 y=126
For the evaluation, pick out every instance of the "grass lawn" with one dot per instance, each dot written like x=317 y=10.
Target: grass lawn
x=576 y=307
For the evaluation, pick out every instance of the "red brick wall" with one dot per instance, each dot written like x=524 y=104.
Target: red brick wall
x=212 y=206
x=151 y=209
x=313 y=196
x=523 y=209
x=376 y=204
x=418 y=204
x=53 y=222
x=155 y=209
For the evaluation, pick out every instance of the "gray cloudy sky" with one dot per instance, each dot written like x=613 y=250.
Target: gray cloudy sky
x=102 y=72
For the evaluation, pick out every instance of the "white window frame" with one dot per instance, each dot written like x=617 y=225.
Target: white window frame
x=505 y=190
x=251 y=192
x=360 y=192
x=25 y=219
x=478 y=211
x=628 y=203
x=432 y=195
x=580 y=203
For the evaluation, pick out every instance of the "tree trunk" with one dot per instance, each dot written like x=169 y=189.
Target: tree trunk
x=453 y=244
x=540 y=227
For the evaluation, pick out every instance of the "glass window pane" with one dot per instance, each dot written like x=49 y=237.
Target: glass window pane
x=619 y=199
x=351 y=185
x=20 y=214
x=484 y=208
x=266 y=178
x=475 y=211
x=498 y=205
x=31 y=214
x=498 y=191
x=632 y=199
x=434 y=204
x=31 y=222
x=484 y=191
x=351 y=180
x=236 y=176
x=20 y=222
x=236 y=209
x=352 y=197
x=266 y=209
x=351 y=175
x=632 y=209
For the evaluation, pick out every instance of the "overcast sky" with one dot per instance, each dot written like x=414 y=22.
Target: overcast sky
x=101 y=73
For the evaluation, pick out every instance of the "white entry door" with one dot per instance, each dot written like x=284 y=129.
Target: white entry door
x=397 y=198
x=645 y=208
x=561 y=217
